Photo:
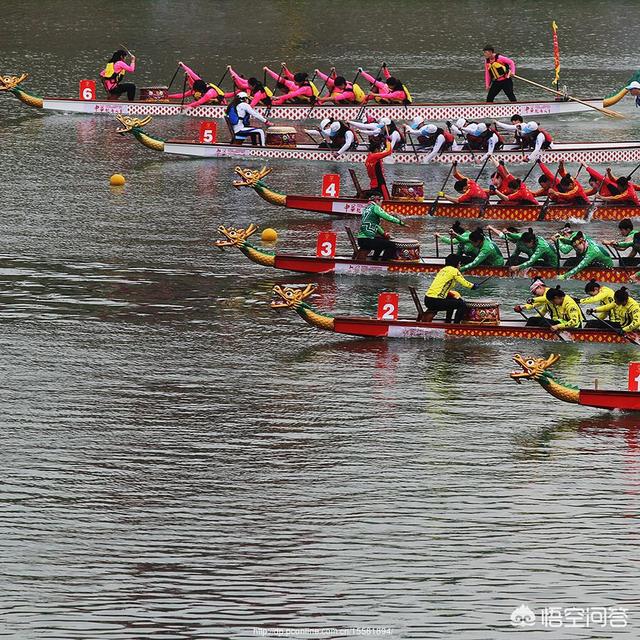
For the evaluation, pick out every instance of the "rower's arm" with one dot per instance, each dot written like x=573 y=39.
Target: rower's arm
x=462 y=281
x=633 y=315
x=587 y=259
x=604 y=309
x=375 y=157
x=380 y=212
x=457 y=175
x=538 y=254
x=348 y=141
x=483 y=254
x=436 y=148
x=507 y=126
x=190 y=72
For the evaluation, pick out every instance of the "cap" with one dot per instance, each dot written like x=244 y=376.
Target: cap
x=385 y=122
x=460 y=122
x=242 y=94
x=530 y=127
x=416 y=122
x=431 y=128
x=481 y=128
x=536 y=283
x=633 y=85
x=325 y=122
x=334 y=128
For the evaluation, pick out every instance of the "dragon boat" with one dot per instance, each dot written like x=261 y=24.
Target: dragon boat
x=300 y=112
x=538 y=369
x=578 y=152
x=347 y=206
x=358 y=264
x=294 y=298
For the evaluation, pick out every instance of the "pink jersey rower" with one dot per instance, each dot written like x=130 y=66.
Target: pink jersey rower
x=391 y=90
x=301 y=90
x=259 y=94
x=341 y=90
x=113 y=74
x=202 y=92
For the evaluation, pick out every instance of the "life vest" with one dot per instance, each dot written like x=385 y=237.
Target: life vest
x=234 y=116
x=109 y=75
x=482 y=141
x=497 y=70
x=382 y=99
x=339 y=139
x=220 y=93
x=265 y=89
x=408 y=99
x=528 y=140
x=430 y=140
x=358 y=93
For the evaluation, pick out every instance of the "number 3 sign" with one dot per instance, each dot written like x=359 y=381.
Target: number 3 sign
x=388 y=306
x=331 y=185
x=326 y=245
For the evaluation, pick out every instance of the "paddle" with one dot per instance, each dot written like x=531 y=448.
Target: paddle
x=607 y=112
x=315 y=102
x=620 y=332
x=557 y=243
x=545 y=206
x=184 y=89
x=437 y=245
x=485 y=204
x=364 y=106
x=593 y=206
x=173 y=78
x=224 y=75
x=413 y=144
x=549 y=326
x=434 y=204
x=479 y=284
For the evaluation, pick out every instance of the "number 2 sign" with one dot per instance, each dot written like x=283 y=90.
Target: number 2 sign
x=87 y=89
x=388 y=306
x=326 y=245
x=331 y=185
x=208 y=132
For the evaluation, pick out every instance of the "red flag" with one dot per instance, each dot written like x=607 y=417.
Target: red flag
x=556 y=53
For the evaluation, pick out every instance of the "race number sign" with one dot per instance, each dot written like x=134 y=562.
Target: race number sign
x=388 y=306
x=634 y=376
x=87 y=89
x=208 y=132
x=326 y=245
x=331 y=185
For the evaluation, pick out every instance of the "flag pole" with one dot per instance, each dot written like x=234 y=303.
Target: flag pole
x=556 y=55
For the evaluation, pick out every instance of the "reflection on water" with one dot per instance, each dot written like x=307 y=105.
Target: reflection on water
x=182 y=462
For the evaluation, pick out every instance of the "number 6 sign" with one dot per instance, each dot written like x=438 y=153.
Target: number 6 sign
x=331 y=185
x=388 y=306
x=87 y=89
x=326 y=245
x=208 y=132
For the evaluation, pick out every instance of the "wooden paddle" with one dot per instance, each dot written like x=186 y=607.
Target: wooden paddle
x=607 y=112
x=620 y=332
x=434 y=204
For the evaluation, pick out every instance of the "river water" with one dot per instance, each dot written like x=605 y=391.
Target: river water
x=181 y=462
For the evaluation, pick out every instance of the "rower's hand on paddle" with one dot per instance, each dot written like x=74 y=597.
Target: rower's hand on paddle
x=514 y=268
x=440 y=194
x=590 y=312
x=562 y=276
x=475 y=285
x=402 y=223
x=518 y=308
x=268 y=123
x=556 y=327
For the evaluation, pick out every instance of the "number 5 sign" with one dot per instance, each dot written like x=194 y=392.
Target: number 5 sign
x=331 y=185
x=87 y=89
x=326 y=245
x=388 y=306
x=208 y=132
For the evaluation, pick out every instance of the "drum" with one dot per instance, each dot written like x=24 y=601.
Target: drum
x=281 y=137
x=154 y=94
x=408 y=190
x=407 y=249
x=482 y=312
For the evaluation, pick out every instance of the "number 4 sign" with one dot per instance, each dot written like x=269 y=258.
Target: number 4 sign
x=634 y=376
x=208 y=132
x=388 y=306
x=87 y=89
x=331 y=185
x=326 y=245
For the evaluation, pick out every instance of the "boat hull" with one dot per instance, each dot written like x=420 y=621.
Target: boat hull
x=525 y=213
x=431 y=111
x=623 y=400
x=588 y=153
x=348 y=266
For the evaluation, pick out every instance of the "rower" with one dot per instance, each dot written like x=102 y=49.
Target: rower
x=549 y=179
x=514 y=126
x=300 y=89
x=600 y=183
x=482 y=138
x=533 y=137
x=627 y=193
x=391 y=91
x=539 y=302
x=431 y=136
x=459 y=236
x=441 y=295
x=202 y=92
x=498 y=70
x=381 y=129
x=520 y=193
x=630 y=240
x=239 y=114
x=488 y=252
x=625 y=308
x=341 y=91
x=501 y=178
x=371 y=236
x=600 y=295
x=537 y=251
x=569 y=191
x=564 y=310
x=614 y=179
x=373 y=165
x=113 y=74
x=471 y=192
x=259 y=94
x=338 y=136
x=588 y=253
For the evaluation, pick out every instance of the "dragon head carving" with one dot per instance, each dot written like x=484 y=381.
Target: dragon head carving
x=532 y=368
x=11 y=82
x=291 y=297
x=234 y=237
x=128 y=124
x=250 y=177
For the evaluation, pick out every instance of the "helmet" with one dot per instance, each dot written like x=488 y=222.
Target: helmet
x=242 y=94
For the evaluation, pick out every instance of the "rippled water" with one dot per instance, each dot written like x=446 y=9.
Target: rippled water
x=181 y=462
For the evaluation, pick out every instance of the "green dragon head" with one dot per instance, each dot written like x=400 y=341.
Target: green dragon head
x=533 y=368
x=291 y=297
x=11 y=82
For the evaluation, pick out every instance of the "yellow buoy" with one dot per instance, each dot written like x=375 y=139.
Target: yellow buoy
x=117 y=180
x=269 y=235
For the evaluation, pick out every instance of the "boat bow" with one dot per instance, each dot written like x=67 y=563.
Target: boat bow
x=294 y=298
x=254 y=178
x=238 y=238
x=538 y=369
x=12 y=85
x=135 y=126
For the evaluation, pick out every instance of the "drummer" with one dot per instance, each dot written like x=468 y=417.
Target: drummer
x=239 y=114
x=488 y=252
x=113 y=74
x=202 y=92
x=371 y=236
x=471 y=192
x=441 y=295
x=373 y=165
